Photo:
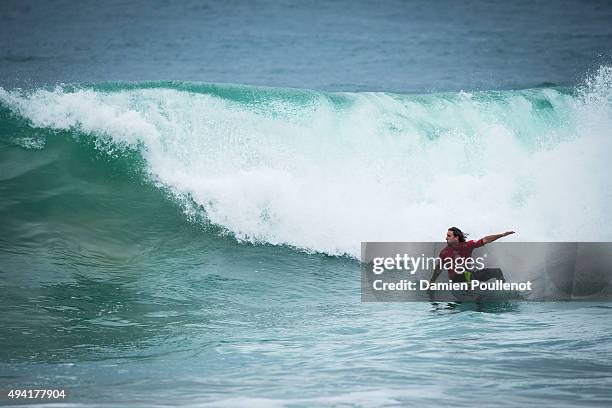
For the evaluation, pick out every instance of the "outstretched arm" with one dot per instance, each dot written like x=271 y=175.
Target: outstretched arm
x=435 y=275
x=491 y=238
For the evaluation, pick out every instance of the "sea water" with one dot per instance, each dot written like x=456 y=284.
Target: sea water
x=191 y=237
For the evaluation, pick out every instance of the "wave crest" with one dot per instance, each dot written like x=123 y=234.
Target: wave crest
x=324 y=172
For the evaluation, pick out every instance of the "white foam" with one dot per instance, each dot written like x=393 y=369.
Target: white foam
x=385 y=168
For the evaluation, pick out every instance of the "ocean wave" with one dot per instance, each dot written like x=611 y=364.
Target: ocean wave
x=325 y=171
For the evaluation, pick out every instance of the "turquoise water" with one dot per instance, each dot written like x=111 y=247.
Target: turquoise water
x=191 y=237
x=194 y=244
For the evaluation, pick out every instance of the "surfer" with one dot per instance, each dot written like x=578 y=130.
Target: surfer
x=458 y=247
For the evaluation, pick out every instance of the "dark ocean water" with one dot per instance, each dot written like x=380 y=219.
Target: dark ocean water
x=398 y=46
x=184 y=189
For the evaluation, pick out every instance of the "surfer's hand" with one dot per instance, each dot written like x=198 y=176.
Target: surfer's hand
x=430 y=294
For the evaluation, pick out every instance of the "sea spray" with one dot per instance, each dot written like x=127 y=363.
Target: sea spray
x=324 y=172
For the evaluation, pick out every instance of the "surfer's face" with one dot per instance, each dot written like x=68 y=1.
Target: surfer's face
x=451 y=238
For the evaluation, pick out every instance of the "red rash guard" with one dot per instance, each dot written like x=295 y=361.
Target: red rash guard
x=459 y=250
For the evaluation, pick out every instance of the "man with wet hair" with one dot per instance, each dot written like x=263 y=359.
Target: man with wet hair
x=458 y=247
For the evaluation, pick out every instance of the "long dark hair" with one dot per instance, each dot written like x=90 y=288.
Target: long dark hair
x=458 y=233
